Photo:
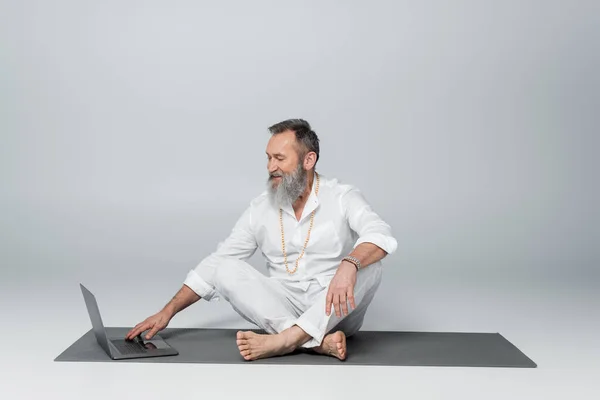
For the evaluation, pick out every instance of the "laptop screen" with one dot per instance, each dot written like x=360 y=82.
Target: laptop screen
x=94 y=313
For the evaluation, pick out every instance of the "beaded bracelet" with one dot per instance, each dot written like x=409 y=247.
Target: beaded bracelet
x=353 y=260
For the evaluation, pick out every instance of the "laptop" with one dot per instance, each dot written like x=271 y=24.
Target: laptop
x=119 y=348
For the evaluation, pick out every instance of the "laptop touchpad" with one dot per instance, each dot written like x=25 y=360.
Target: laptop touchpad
x=155 y=344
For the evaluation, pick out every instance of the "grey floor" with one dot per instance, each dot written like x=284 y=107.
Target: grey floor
x=554 y=323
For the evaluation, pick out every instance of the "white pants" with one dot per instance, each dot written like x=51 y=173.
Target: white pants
x=274 y=306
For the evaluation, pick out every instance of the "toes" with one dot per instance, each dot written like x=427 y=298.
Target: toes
x=334 y=345
x=241 y=335
x=246 y=354
x=244 y=347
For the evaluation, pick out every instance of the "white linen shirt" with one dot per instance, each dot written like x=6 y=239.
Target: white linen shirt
x=343 y=220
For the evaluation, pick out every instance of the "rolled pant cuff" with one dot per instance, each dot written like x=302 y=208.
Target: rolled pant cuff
x=317 y=335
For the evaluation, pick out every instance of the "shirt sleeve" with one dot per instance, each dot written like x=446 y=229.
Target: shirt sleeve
x=241 y=244
x=369 y=226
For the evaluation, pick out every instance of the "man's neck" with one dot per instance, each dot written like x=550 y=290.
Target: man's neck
x=301 y=200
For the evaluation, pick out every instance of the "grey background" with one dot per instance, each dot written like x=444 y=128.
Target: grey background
x=133 y=135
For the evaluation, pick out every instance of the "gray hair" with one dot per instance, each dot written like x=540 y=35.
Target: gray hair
x=306 y=138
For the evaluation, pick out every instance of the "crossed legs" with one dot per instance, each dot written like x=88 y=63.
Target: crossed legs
x=291 y=317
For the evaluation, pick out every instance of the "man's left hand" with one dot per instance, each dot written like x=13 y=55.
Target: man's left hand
x=341 y=289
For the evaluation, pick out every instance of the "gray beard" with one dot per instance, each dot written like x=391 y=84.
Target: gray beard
x=289 y=188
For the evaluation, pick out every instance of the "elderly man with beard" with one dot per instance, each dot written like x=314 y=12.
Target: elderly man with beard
x=323 y=246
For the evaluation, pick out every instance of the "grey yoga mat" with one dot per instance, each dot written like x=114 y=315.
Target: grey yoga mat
x=217 y=346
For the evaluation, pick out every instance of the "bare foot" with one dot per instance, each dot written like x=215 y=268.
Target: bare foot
x=334 y=345
x=253 y=346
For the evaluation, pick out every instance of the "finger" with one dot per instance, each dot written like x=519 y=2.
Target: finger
x=340 y=305
x=138 y=329
x=344 y=303
x=142 y=326
x=153 y=331
x=131 y=331
x=351 y=298
x=128 y=334
x=328 y=301
x=336 y=304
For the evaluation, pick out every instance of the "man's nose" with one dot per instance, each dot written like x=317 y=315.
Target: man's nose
x=271 y=167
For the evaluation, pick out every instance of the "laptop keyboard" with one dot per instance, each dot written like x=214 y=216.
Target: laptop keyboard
x=128 y=347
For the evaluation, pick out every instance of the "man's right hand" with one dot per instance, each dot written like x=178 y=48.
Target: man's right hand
x=161 y=319
x=154 y=323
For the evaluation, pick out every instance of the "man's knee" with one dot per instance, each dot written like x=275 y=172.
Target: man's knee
x=368 y=281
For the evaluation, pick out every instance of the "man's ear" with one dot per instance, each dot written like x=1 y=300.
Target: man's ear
x=309 y=160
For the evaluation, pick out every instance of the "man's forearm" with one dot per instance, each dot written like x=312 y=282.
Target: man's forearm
x=184 y=298
x=368 y=253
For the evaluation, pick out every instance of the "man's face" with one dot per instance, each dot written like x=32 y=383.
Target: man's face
x=282 y=156
x=287 y=176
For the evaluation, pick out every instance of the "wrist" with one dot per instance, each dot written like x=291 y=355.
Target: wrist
x=347 y=264
x=169 y=310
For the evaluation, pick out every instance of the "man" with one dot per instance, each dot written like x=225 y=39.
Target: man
x=323 y=245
